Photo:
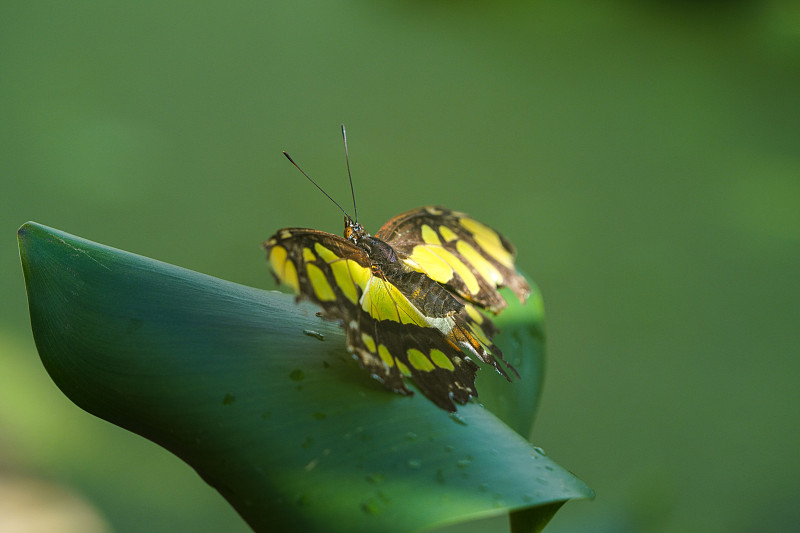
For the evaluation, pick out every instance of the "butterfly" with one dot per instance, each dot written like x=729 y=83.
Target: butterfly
x=408 y=297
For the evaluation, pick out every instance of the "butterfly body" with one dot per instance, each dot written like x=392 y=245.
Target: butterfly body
x=408 y=296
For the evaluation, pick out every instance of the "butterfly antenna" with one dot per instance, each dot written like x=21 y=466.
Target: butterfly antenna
x=349 y=177
x=317 y=186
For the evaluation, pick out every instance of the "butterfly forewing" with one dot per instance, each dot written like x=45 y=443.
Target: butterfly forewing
x=465 y=255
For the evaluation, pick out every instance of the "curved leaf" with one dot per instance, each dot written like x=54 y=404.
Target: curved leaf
x=262 y=399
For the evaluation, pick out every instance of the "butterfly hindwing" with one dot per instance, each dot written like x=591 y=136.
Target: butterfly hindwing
x=437 y=367
x=467 y=256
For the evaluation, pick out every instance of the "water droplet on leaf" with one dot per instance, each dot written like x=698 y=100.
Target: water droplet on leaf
x=455 y=417
x=463 y=463
x=316 y=334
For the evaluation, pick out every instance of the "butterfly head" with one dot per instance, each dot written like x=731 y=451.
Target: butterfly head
x=353 y=231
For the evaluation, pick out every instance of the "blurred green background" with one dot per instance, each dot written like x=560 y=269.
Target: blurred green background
x=643 y=156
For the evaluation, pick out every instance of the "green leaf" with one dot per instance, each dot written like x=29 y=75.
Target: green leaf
x=261 y=397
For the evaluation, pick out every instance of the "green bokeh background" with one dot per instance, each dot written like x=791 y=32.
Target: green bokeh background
x=643 y=156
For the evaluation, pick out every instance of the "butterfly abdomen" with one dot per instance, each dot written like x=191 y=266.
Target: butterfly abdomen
x=430 y=297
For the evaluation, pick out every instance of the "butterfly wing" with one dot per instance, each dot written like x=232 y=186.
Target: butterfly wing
x=466 y=256
x=389 y=334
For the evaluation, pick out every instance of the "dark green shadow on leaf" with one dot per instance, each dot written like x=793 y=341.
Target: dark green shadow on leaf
x=533 y=519
x=261 y=398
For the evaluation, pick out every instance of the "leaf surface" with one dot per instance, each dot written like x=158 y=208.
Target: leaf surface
x=261 y=398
